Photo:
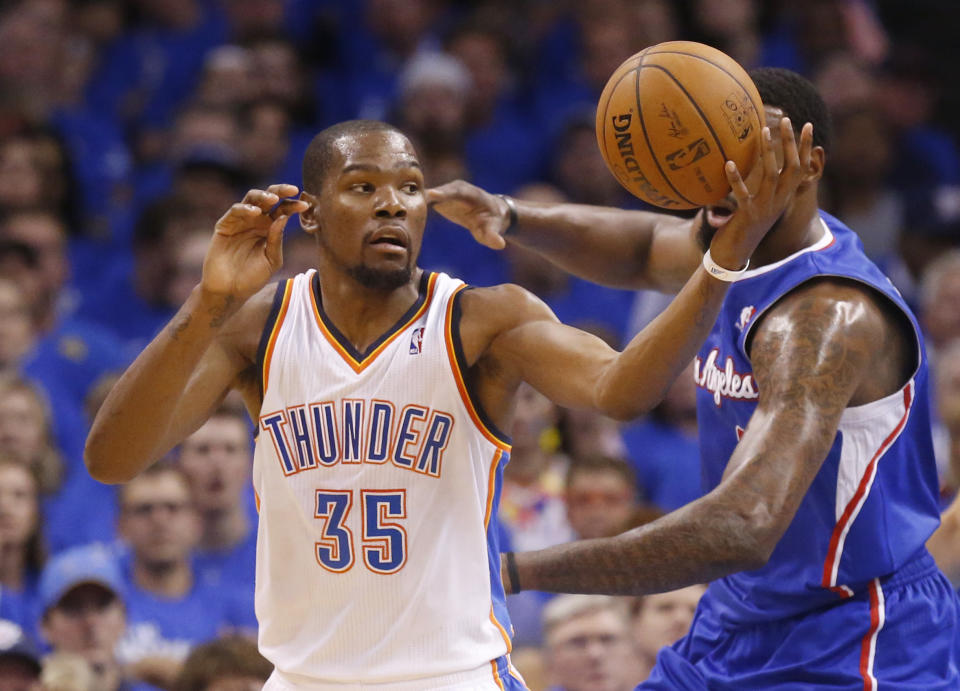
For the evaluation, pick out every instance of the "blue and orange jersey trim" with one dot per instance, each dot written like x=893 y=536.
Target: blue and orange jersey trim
x=268 y=339
x=458 y=364
x=360 y=361
x=492 y=493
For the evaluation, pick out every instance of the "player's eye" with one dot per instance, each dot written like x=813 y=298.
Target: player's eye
x=362 y=187
x=411 y=188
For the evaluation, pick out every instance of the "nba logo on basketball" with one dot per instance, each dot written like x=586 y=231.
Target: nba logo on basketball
x=416 y=341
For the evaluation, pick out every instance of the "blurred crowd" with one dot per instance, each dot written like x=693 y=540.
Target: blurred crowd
x=127 y=127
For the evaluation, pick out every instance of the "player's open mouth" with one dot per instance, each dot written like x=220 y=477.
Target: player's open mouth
x=389 y=239
x=717 y=216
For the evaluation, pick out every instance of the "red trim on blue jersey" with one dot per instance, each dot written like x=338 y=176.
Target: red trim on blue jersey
x=835 y=550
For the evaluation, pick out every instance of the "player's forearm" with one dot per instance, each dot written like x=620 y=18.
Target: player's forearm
x=130 y=428
x=639 y=377
x=604 y=245
x=700 y=542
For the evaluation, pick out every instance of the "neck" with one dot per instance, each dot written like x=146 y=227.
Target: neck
x=224 y=529
x=167 y=579
x=798 y=228
x=11 y=566
x=363 y=314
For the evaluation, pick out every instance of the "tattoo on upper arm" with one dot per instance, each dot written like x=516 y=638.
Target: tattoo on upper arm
x=809 y=358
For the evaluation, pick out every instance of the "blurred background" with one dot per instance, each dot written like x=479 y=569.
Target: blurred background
x=127 y=127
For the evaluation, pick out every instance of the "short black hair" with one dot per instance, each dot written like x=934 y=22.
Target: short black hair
x=797 y=97
x=316 y=160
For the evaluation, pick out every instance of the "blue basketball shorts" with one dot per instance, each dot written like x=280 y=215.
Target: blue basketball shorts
x=900 y=633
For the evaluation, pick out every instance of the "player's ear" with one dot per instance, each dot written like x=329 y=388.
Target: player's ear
x=309 y=219
x=814 y=172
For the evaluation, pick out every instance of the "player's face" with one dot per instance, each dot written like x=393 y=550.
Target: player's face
x=592 y=652
x=372 y=211
x=216 y=459
x=714 y=217
x=665 y=617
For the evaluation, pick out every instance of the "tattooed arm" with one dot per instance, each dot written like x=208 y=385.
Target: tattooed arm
x=209 y=346
x=814 y=354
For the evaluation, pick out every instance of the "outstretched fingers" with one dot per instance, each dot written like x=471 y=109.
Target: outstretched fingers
x=737 y=185
x=768 y=159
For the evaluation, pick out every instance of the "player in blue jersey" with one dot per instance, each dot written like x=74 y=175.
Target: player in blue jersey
x=815 y=442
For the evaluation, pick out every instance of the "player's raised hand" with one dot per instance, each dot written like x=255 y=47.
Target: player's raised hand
x=756 y=212
x=485 y=215
x=246 y=248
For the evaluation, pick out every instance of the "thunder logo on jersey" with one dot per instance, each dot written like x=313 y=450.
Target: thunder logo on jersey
x=314 y=435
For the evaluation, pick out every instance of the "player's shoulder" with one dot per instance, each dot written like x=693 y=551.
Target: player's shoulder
x=824 y=320
x=506 y=304
x=488 y=313
x=853 y=303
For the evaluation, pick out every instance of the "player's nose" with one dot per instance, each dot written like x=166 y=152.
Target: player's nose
x=389 y=203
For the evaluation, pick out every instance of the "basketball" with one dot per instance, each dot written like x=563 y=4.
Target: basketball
x=671 y=116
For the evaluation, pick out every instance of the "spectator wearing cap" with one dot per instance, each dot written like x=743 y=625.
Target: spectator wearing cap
x=83 y=611
x=19 y=659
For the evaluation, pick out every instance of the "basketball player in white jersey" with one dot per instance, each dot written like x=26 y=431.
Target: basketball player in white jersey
x=380 y=391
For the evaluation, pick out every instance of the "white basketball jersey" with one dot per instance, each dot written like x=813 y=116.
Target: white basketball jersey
x=377 y=482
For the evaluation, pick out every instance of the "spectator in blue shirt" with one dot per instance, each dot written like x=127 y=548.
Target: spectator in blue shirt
x=69 y=355
x=217 y=459
x=169 y=608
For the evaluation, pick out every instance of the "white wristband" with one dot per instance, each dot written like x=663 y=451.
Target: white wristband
x=719 y=272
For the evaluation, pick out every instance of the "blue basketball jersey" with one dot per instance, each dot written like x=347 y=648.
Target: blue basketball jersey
x=873 y=503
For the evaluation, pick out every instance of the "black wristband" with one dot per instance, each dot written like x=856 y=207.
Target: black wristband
x=511 y=213
x=512 y=573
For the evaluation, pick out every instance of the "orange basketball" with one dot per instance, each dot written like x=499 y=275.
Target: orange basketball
x=671 y=116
